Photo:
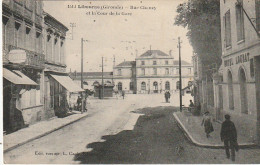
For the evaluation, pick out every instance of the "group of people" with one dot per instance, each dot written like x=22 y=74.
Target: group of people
x=228 y=133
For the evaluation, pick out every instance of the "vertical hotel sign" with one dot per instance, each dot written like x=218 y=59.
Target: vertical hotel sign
x=237 y=60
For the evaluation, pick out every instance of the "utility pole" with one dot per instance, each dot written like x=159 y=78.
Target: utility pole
x=102 y=79
x=72 y=25
x=81 y=75
x=179 y=46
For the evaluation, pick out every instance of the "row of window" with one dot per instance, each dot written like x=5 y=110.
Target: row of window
x=18 y=36
x=155 y=85
x=155 y=62
x=239 y=11
x=167 y=71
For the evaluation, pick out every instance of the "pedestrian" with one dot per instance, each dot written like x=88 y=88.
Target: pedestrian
x=169 y=96
x=228 y=135
x=166 y=97
x=208 y=127
x=79 y=100
x=123 y=94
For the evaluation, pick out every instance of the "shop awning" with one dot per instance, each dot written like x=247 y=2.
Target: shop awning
x=17 y=77
x=67 y=83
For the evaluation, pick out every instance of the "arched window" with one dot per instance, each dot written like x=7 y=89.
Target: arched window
x=230 y=91
x=131 y=86
x=119 y=86
x=143 y=86
x=243 y=91
x=167 y=85
x=178 y=85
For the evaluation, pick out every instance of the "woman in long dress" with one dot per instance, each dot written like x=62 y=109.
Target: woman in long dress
x=207 y=124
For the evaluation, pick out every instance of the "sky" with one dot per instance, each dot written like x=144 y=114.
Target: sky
x=119 y=36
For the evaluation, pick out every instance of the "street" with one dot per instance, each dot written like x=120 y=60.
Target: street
x=138 y=129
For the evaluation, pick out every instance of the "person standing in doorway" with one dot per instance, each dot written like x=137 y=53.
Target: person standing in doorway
x=228 y=135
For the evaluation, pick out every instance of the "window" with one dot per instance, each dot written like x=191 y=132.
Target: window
x=257 y=10
x=142 y=62
x=119 y=72
x=119 y=86
x=143 y=86
x=155 y=71
x=131 y=86
x=252 y=69
x=17 y=34
x=166 y=62
x=178 y=85
x=4 y=30
x=154 y=62
x=230 y=91
x=143 y=71
x=227 y=25
x=240 y=21
x=177 y=70
x=189 y=70
x=167 y=85
x=167 y=71
x=243 y=91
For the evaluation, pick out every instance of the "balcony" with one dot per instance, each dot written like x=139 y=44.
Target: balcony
x=25 y=57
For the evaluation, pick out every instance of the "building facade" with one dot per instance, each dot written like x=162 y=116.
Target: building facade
x=152 y=72
x=23 y=63
x=237 y=90
x=57 y=83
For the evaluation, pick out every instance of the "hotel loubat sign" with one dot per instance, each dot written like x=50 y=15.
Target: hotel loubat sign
x=237 y=60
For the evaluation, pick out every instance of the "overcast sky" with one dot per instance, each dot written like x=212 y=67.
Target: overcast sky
x=118 y=36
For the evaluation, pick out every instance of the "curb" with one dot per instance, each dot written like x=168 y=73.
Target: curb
x=43 y=134
x=193 y=141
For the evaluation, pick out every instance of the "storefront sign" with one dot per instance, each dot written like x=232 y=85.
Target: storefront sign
x=237 y=60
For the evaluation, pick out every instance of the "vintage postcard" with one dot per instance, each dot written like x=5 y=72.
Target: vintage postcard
x=131 y=82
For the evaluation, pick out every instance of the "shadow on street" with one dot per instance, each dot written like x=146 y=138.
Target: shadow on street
x=154 y=139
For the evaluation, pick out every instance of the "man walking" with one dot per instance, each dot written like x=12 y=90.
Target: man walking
x=228 y=134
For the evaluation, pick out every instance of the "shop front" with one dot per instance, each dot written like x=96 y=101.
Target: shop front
x=59 y=87
x=240 y=90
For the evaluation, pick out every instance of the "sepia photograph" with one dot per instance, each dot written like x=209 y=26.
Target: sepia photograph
x=130 y=82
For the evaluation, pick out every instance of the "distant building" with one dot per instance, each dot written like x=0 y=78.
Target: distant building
x=152 y=72
x=237 y=89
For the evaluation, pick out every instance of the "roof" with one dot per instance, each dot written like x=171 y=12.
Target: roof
x=127 y=63
x=176 y=62
x=149 y=53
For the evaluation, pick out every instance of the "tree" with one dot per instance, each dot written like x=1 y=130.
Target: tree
x=202 y=19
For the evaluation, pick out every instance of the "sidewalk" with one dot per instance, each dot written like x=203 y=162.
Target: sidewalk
x=191 y=125
x=38 y=130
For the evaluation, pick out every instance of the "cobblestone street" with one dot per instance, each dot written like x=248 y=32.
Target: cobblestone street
x=139 y=129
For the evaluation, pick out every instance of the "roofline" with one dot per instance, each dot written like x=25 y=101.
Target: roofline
x=47 y=14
